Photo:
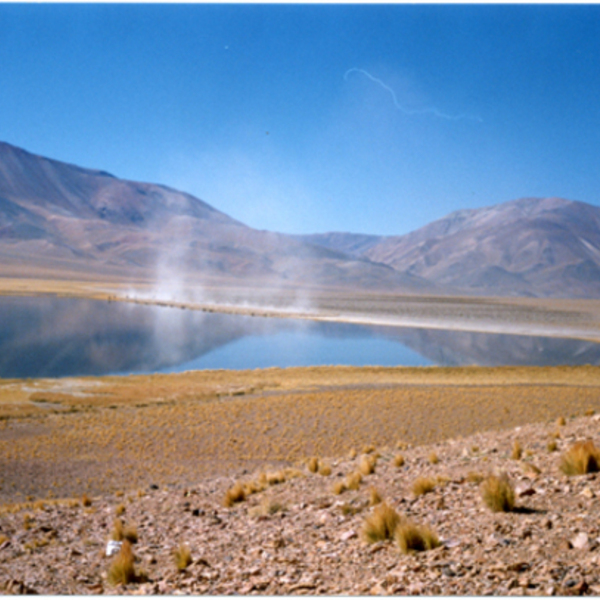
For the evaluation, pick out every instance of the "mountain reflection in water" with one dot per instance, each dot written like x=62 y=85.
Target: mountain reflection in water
x=55 y=337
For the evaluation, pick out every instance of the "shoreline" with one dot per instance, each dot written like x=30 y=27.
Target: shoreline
x=555 y=318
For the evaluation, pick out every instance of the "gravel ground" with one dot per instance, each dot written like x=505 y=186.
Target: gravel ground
x=299 y=537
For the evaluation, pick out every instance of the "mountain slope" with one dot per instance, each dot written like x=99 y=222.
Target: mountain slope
x=66 y=218
x=531 y=246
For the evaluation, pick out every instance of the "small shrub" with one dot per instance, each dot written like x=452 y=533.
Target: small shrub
x=183 y=557
x=552 y=446
x=380 y=524
x=399 y=460
x=433 y=458
x=367 y=465
x=353 y=481
x=352 y=454
x=590 y=412
x=423 y=485
x=374 y=497
x=122 y=569
x=581 y=458
x=313 y=464
x=498 y=493
x=234 y=494
x=561 y=421
x=120 y=510
x=517 y=451
x=414 y=538
x=368 y=449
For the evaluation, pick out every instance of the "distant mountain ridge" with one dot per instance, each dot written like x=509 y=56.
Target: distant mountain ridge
x=56 y=217
x=60 y=217
x=530 y=246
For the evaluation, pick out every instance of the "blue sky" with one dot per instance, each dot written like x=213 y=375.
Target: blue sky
x=313 y=118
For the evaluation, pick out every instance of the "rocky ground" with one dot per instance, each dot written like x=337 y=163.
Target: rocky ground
x=300 y=537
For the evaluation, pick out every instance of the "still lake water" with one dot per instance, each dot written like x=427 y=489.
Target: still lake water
x=55 y=337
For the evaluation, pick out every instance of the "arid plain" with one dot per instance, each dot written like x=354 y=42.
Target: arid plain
x=112 y=441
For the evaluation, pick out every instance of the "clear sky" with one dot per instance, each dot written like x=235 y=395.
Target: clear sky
x=313 y=118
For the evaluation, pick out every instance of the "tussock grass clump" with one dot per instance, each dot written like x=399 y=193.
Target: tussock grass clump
x=433 y=458
x=118 y=532
x=498 y=493
x=349 y=510
x=380 y=524
x=415 y=538
x=122 y=569
x=86 y=500
x=120 y=510
x=374 y=497
x=517 y=451
x=369 y=449
x=267 y=507
x=474 y=477
x=399 y=460
x=183 y=557
x=552 y=446
x=339 y=487
x=313 y=464
x=352 y=454
x=276 y=477
x=367 y=464
x=234 y=495
x=561 y=421
x=423 y=485
x=324 y=469
x=580 y=458
x=353 y=481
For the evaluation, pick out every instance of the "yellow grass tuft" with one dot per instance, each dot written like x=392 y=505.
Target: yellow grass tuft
x=352 y=454
x=399 y=460
x=120 y=510
x=122 y=569
x=581 y=458
x=353 y=481
x=183 y=557
x=368 y=449
x=367 y=464
x=474 y=477
x=423 y=485
x=324 y=469
x=561 y=421
x=118 y=532
x=234 y=495
x=415 y=538
x=433 y=458
x=313 y=464
x=380 y=524
x=517 y=451
x=374 y=497
x=498 y=494
x=552 y=446
x=339 y=487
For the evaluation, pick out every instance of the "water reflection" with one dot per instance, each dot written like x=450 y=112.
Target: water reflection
x=49 y=337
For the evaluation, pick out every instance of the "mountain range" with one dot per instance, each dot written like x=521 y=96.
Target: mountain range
x=57 y=218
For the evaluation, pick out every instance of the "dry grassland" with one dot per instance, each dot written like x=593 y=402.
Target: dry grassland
x=69 y=437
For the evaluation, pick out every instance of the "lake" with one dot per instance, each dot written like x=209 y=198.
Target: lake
x=56 y=337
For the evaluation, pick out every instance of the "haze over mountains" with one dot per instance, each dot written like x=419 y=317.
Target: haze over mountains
x=56 y=217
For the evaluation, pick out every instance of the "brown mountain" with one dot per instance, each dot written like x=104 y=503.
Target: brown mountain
x=527 y=247
x=57 y=217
